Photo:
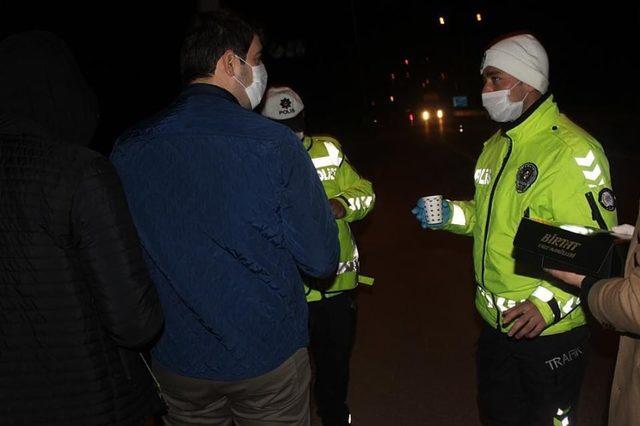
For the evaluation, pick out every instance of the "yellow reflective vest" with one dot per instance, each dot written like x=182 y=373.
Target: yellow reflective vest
x=341 y=182
x=544 y=167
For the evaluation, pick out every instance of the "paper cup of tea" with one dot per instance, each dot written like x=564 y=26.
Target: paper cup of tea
x=433 y=209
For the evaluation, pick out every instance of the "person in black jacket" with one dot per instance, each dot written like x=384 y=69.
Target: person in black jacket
x=76 y=303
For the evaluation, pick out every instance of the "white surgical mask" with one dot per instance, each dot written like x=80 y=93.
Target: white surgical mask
x=500 y=108
x=255 y=91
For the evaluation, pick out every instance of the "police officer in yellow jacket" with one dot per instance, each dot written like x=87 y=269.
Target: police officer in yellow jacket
x=539 y=164
x=332 y=306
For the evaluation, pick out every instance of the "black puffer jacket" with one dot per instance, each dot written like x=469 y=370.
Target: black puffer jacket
x=74 y=291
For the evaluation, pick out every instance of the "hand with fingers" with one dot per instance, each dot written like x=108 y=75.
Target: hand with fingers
x=527 y=320
x=570 y=278
x=337 y=208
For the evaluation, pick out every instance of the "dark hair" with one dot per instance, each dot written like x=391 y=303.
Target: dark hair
x=208 y=37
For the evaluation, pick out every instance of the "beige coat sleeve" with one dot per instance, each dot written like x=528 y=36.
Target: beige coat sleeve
x=615 y=302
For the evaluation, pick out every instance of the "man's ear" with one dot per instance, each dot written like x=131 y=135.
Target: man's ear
x=225 y=63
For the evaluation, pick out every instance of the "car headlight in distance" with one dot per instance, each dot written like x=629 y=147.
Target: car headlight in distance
x=440 y=113
x=425 y=115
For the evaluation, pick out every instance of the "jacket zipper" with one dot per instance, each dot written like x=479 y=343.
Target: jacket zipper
x=486 y=229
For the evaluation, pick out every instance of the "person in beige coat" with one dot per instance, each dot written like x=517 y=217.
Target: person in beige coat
x=615 y=303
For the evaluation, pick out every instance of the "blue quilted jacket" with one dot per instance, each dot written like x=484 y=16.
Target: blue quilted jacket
x=229 y=210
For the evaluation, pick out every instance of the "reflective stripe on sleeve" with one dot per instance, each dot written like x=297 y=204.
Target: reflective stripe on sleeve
x=359 y=203
x=458 y=216
x=543 y=294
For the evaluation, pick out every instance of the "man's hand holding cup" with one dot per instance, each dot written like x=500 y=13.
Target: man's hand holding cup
x=433 y=212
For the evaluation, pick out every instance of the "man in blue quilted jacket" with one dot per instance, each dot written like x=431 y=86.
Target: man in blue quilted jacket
x=229 y=209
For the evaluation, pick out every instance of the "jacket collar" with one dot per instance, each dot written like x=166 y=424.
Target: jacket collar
x=208 y=89
x=541 y=115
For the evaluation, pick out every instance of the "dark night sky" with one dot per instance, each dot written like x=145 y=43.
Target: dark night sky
x=130 y=53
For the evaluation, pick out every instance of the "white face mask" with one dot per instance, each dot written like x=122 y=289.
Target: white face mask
x=255 y=91
x=500 y=108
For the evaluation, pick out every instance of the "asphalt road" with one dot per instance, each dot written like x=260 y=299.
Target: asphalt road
x=414 y=363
